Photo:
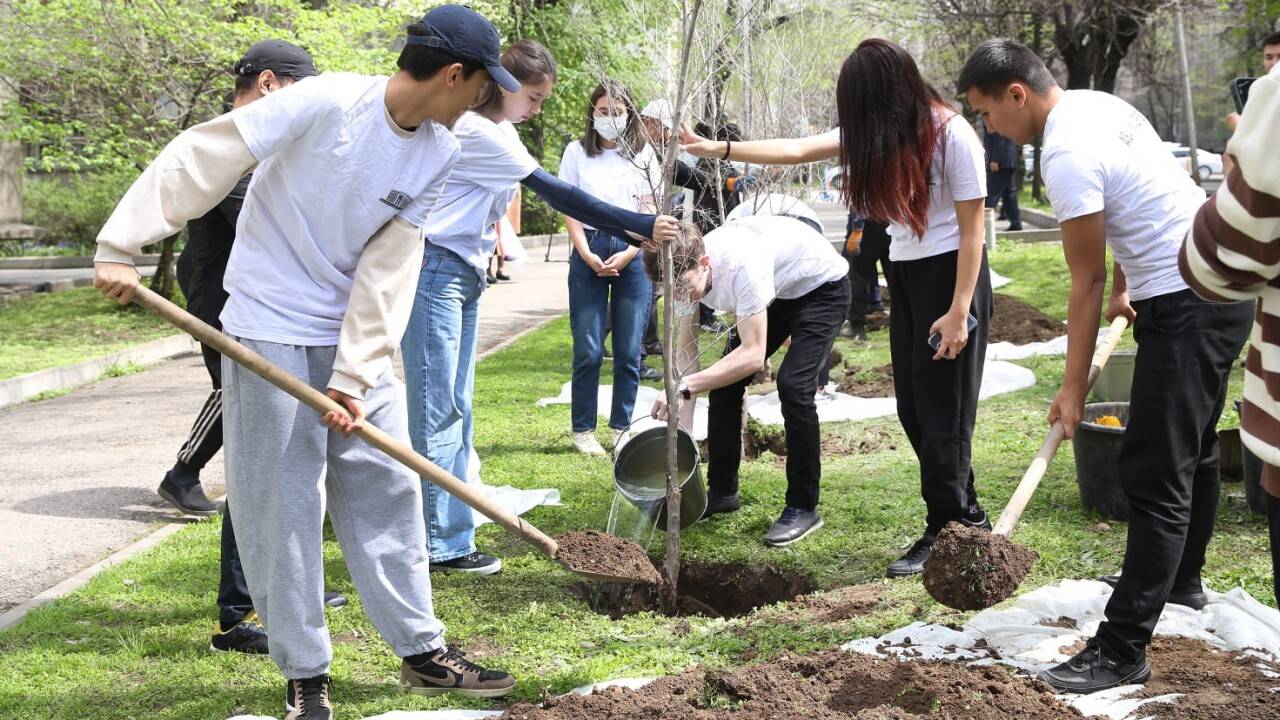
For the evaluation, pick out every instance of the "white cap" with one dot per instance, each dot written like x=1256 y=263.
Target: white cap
x=660 y=110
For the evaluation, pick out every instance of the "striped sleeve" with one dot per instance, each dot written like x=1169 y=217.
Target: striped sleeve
x=1233 y=249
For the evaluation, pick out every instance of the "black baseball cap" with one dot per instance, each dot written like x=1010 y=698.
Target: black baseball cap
x=279 y=57
x=464 y=33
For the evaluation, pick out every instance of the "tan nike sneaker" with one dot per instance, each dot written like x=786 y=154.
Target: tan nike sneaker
x=447 y=671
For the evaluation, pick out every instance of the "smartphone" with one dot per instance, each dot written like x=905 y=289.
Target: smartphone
x=1240 y=91
x=935 y=340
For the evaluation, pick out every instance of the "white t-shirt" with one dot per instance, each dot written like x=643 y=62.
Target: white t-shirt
x=332 y=170
x=757 y=259
x=959 y=175
x=611 y=176
x=480 y=189
x=774 y=204
x=1101 y=155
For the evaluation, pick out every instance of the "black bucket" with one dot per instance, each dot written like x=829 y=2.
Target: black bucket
x=1097 y=449
x=640 y=474
x=1251 y=473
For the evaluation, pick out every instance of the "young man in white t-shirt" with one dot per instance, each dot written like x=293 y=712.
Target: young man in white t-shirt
x=1112 y=183
x=781 y=278
x=321 y=282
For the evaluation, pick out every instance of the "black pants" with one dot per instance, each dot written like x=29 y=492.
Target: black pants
x=1273 y=520
x=1003 y=185
x=203 y=442
x=1168 y=464
x=938 y=399
x=873 y=249
x=812 y=321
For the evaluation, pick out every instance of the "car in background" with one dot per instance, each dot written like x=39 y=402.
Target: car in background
x=1208 y=163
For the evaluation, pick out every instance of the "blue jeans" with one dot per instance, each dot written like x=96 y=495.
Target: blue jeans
x=439 y=349
x=626 y=300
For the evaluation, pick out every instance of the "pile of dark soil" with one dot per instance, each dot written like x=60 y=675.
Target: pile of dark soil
x=825 y=686
x=1019 y=323
x=1216 y=684
x=972 y=569
x=876 y=382
x=835 y=605
x=723 y=590
x=604 y=554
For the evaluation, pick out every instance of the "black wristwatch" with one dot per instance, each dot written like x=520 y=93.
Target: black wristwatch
x=683 y=390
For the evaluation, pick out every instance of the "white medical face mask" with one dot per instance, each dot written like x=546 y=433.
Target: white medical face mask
x=610 y=128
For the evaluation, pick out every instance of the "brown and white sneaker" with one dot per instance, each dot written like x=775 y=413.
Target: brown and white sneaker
x=447 y=671
x=308 y=699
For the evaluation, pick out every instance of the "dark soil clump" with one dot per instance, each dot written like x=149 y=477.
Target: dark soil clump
x=972 y=569
x=600 y=553
x=760 y=438
x=876 y=382
x=1216 y=684
x=825 y=686
x=836 y=605
x=707 y=589
x=1019 y=323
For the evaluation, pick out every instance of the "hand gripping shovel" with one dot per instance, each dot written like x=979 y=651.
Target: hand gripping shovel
x=600 y=567
x=970 y=569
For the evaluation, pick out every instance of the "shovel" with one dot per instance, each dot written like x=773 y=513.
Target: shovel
x=970 y=569
x=402 y=452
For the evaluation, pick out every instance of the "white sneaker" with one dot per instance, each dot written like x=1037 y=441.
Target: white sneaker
x=586 y=443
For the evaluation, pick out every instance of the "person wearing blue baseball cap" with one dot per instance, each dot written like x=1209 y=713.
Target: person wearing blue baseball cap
x=320 y=282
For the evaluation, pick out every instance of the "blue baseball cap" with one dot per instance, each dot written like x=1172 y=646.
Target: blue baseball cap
x=465 y=34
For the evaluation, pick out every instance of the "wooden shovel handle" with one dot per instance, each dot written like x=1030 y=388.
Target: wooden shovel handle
x=322 y=404
x=1031 y=479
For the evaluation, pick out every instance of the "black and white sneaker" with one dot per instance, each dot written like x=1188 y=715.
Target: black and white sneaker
x=912 y=563
x=185 y=493
x=308 y=699
x=794 y=524
x=1192 y=596
x=334 y=599
x=717 y=504
x=477 y=563
x=1092 y=669
x=648 y=373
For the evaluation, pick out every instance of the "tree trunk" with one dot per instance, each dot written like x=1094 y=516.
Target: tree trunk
x=162 y=282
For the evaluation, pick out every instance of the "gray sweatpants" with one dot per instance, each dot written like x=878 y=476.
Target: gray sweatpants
x=283 y=467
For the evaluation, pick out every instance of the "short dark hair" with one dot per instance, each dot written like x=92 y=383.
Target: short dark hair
x=423 y=62
x=1272 y=39
x=998 y=62
x=529 y=62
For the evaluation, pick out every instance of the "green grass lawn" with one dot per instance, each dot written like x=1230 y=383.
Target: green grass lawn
x=53 y=329
x=134 y=642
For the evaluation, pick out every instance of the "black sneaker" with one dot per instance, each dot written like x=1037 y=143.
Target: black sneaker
x=246 y=636
x=477 y=563
x=721 y=504
x=715 y=326
x=448 y=671
x=648 y=373
x=308 y=699
x=334 y=599
x=654 y=349
x=794 y=524
x=185 y=493
x=1192 y=596
x=978 y=518
x=1092 y=669
x=912 y=563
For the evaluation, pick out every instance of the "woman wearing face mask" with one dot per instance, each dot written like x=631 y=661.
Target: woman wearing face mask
x=439 y=345
x=611 y=161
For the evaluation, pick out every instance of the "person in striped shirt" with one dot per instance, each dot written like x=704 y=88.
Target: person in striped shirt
x=1233 y=253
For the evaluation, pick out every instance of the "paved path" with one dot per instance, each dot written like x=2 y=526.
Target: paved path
x=78 y=473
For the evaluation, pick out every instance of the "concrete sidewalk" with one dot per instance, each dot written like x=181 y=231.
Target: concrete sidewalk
x=78 y=473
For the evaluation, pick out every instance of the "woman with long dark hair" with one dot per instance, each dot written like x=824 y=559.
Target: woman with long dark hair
x=913 y=162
